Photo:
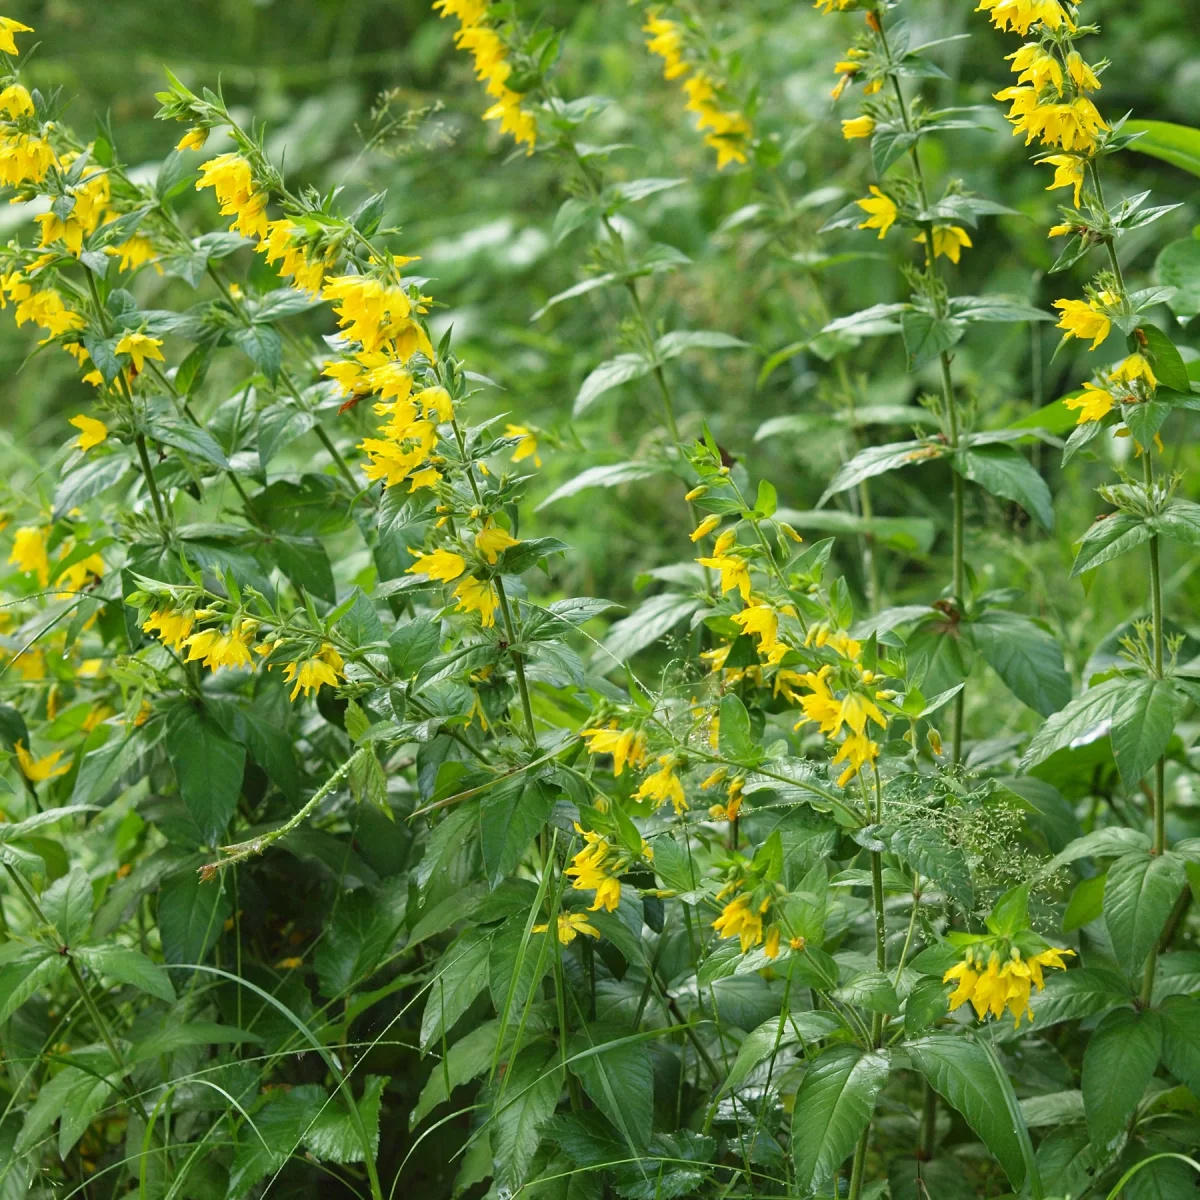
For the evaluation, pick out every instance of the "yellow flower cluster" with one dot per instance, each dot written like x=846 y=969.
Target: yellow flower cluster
x=847 y=69
x=627 y=746
x=238 y=195
x=993 y=982
x=490 y=52
x=471 y=594
x=595 y=868
x=25 y=154
x=30 y=554
x=742 y=918
x=1131 y=381
x=726 y=130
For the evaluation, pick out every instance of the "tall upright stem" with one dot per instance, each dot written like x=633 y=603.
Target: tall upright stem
x=518 y=662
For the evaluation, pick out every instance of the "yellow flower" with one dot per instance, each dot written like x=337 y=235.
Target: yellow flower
x=857 y=751
x=436 y=402
x=29 y=552
x=172 y=627
x=139 y=347
x=492 y=540
x=705 y=527
x=738 y=920
x=1033 y=65
x=1134 y=368
x=625 y=745
x=666 y=41
x=858 y=127
x=881 y=210
x=218 y=649
x=570 y=925
x=1068 y=172
x=311 y=674
x=79 y=574
x=443 y=565
x=16 y=101
x=1002 y=983
x=1081 y=74
x=46 y=308
x=1020 y=15
x=828 y=6
x=1083 y=319
x=37 y=770
x=91 y=432
x=229 y=175
x=761 y=621
x=194 y=139
x=7 y=28
x=477 y=595
x=948 y=241
x=663 y=785
x=734 y=571
x=771 y=945
x=527 y=447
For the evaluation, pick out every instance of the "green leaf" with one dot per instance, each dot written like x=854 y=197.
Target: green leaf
x=533 y=1082
x=1180 y=520
x=832 y=1108
x=517 y=963
x=736 y=739
x=760 y=1043
x=360 y=623
x=469 y=1057
x=1164 y=355
x=878 y=460
x=1078 y=993
x=412 y=645
x=191 y=916
x=363 y=930
x=871 y=990
x=672 y=345
x=1177 y=144
x=130 y=966
x=334 y=1135
x=96 y=474
x=605 y=476
x=930 y=853
x=1139 y=894
x=1119 y=1061
x=1025 y=656
x=1085 y=719
x=907 y=535
x=193 y=440
x=927 y=1003
x=1067 y=1161
x=194 y=1033
x=29 y=972
x=1004 y=471
x=511 y=815
x=959 y=1070
x=278 y=425
x=643 y=627
x=927 y=335
x=263 y=346
x=618 y=1079
x=1143 y=726
x=73 y=1097
x=311 y=508
x=608 y=375
x=1178 y=266
x=1086 y=904
x=1110 y=537
x=1181 y=1040
x=67 y=903
x=462 y=973
x=208 y=766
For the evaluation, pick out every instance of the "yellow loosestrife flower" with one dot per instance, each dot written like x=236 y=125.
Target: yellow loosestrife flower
x=194 y=139
x=443 y=565
x=627 y=746
x=492 y=540
x=91 y=432
x=739 y=919
x=527 y=447
x=1085 y=319
x=948 y=241
x=216 y=649
x=477 y=595
x=311 y=674
x=664 y=785
x=139 y=347
x=1000 y=982
x=172 y=627
x=38 y=770
x=1020 y=16
x=238 y=196
x=570 y=926
x=705 y=527
x=1133 y=369
x=880 y=209
x=858 y=127
x=1094 y=404
x=29 y=552
x=1068 y=172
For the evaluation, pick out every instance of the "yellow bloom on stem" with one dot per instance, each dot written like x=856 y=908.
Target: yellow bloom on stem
x=666 y=41
x=217 y=649
x=1003 y=982
x=194 y=139
x=948 y=241
x=1083 y=319
x=761 y=621
x=1020 y=16
x=528 y=445
x=443 y=565
x=664 y=785
x=16 y=101
x=738 y=920
x=312 y=673
x=29 y=552
x=172 y=627
x=477 y=595
x=46 y=308
x=1132 y=369
x=705 y=527
x=229 y=175
x=492 y=540
x=1081 y=74
x=139 y=347
x=91 y=432
x=771 y=945
x=436 y=403
x=627 y=746
x=79 y=574
x=857 y=751
x=590 y=870
x=7 y=28
x=1068 y=172
x=881 y=210
x=1094 y=405
x=37 y=770
x=734 y=571
x=858 y=127
x=1031 y=64
x=828 y=6
x=570 y=925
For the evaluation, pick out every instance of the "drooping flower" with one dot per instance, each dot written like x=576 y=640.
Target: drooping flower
x=881 y=211
x=29 y=552
x=492 y=540
x=173 y=626
x=1094 y=404
x=7 y=28
x=91 y=432
x=1134 y=368
x=734 y=570
x=311 y=674
x=477 y=595
x=857 y=751
x=741 y=920
x=194 y=139
x=217 y=649
x=38 y=770
x=627 y=746
x=948 y=241
x=858 y=127
x=993 y=982
x=443 y=565
x=592 y=869
x=663 y=785
x=527 y=447
x=1068 y=172
x=705 y=527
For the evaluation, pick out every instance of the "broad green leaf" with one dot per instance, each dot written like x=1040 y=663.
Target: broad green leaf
x=931 y=854
x=608 y=375
x=643 y=627
x=1086 y=904
x=510 y=816
x=1177 y=144
x=194 y=1033
x=412 y=645
x=736 y=740
x=1180 y=520
x=72 y=1097
x=1112 y=842
x=1083 y=720
x=1053 y=1108
x=208 y=766
x=94 y=475
x=191 y=916
x=675 y=343
x=1144 y=726
x=1025 y=656
x=1067 y=1161
x=462 y=973
x=126 y=965
x=758 y=1045
x=533 y=1082
x=1110 y=537
x=517 y=963
x=469 y=1057
x=67 y=903
x=959 y=1070
x=1140 y=891
x=871 y=990
x=832 y=1108
x=1178 y=266
x=1005 y=471
x=29 y=972
x=1119 y=1061
x=605 y=476
x=263 y=346
x=1164 y=355
x=1181 y=1040
x=878 y=460
x=364 y=928
x=334 y=1136
x=193 y=440
x=278 y=426
x=275 y=1133
x=927 y=335
x=618 y=1079
x=1077 y=993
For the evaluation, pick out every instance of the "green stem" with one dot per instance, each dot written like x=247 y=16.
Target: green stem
x=929 y=1112
x=148 y=472
x=859 y=1170
x=518 y=662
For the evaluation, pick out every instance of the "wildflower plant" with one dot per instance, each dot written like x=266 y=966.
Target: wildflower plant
x=338 y=831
